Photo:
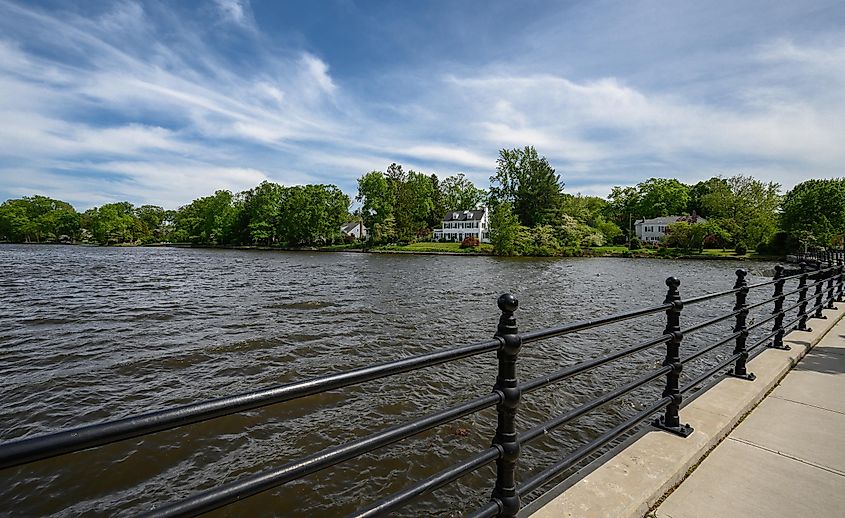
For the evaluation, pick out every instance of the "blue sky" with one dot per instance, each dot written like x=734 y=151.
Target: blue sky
x=162 y=102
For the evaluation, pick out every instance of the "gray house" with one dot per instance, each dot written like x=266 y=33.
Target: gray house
x=355 y=229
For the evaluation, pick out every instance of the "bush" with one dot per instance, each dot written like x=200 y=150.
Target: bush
x=470 y=242
x=635 y=244
x=741 y=248
x=781 y=243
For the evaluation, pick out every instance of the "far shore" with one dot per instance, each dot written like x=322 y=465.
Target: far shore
x=452 y=249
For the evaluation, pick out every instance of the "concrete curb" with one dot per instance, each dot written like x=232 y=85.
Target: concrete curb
x=635 y=479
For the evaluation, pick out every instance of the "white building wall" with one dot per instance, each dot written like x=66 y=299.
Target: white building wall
x=650 y=233
x=457 y=231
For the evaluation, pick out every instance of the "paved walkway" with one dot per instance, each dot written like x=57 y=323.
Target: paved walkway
x=787 y=458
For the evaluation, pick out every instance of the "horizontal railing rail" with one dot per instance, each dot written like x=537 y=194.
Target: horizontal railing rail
x=820 y=283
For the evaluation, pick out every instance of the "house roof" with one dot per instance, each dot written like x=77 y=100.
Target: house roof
x=668 y=220
x=464 y=215
x=349 y=227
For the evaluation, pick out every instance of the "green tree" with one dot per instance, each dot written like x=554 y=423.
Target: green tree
x=459 y=193
x=528 y=183
x=259 y=215
x=414 y=205
x=312 y=214
x=814 y=211
x=438 y=202
x=504 y=229
x=38 y=219
x=204 y=220
x=114 y=223
x=689 y=236
x=700 y=191
x=378 y=199
x=745 y=207
x=152 y=221
x=623 y=207
x=662 y=197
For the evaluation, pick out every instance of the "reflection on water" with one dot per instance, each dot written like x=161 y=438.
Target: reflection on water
x=88 y=334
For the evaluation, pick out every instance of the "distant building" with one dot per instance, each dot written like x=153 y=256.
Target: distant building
x=653 y=230
x=355 y=229
x=460 y=224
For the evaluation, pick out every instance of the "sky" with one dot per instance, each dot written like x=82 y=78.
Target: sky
x=163 y=102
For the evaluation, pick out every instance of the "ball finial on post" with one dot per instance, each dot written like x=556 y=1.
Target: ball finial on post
x=508 y=302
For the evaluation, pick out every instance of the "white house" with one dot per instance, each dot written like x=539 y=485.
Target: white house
x=653 y=230
x=460 y=224
x=355 y=229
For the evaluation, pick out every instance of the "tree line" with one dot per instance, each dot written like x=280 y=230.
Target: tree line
x=265 y=215
x=530 y=212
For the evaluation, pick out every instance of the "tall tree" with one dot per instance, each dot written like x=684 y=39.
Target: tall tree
x=38 y=219
x=414 y=205
x=438 y=202
x=377 y=197
x=459 y=193
x=205 y=219
x=504 y=229
x=699 y=192
x=662 y=197
x=528 y=183
x=260 y=213
x=114 y=223
x=814 y=211
x=623 y=207
x=745 y=207
x=152 y=222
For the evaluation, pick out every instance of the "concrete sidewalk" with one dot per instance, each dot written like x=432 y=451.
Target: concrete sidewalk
x=787 y=458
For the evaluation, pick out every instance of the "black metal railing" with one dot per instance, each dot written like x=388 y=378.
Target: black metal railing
x=822 y=256
x=819 y=274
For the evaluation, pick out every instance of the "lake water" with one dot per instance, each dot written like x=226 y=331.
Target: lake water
x=88 y=334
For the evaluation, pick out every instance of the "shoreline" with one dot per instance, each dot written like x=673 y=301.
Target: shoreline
x=586 y=252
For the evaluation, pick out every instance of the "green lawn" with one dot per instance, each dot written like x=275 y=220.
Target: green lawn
x=436 y=247
x=345 y=246
x=718 y=252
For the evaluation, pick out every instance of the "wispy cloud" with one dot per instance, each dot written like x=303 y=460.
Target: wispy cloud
x=236 y=11
x=154 y=103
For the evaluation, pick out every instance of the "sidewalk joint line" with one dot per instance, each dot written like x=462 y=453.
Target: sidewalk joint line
x=807 y=404
x=782 y=454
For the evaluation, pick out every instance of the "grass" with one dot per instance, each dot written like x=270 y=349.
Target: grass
x=677 y=252
x=344 y=246
x=453 y=248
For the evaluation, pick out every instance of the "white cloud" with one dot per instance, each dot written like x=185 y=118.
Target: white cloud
x=237 y=11
x=140 y=85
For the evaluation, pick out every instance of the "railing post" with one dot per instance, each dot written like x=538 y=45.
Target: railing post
x=505 y=494
x=830 y=275
x=802 y=299
x=739 y=370
x=777 y=343
x=819 y=292
x=671 y=421
x=840 y=281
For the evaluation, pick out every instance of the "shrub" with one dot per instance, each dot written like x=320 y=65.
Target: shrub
x=741 y=248
x=470 y=242
x=635 y=244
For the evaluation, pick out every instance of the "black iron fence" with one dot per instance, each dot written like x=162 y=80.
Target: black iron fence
x=822 y=256
x=818 y=283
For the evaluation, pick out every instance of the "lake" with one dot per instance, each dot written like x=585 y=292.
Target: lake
x=88 y=334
